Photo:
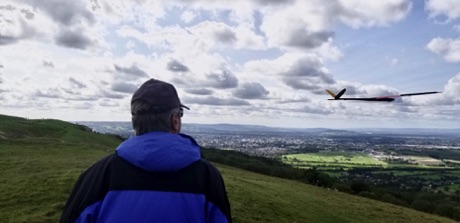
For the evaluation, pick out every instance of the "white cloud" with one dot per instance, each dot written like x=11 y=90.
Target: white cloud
x=21 y=22
x=188 y=16
x=452 y=87
x=448 y=48
x=449 y=9
x=301 y=25
x=141 y=14
x=358 y=13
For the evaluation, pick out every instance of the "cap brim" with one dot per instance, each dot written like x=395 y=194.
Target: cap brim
x=183 y=106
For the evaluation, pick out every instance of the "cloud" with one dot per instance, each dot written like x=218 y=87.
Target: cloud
x=112 y=95
x=303 y=38
x=304 y=25
x=52 y=93
x=448 y=48
x=5 y=40
x=188 y=16
x=449 y=96
x=300 y=25
x=108 y=103
x=274 y=2
x=73 y=39
x=215 y=101
x=208 y=35
x=124 y=87
x=133 y=71
x=21 y=22
x=452 y=87
x=67 y=13
x=68 y=23
x=373 y=90
x=225 y=36
x=83 y=106
x=300 y=84
x=251 y=91
x=76 y=83
x=28 y=14
x=307 y=73
x=63 y=94
x=177 y=66
x=357 y=13
x=294 y=100
x=48 y=64
x=199 y=91
x=450 y=9
x=222 y=79
x=82 y=98
x=315 y=110
x=7 y=7
x=71 y=91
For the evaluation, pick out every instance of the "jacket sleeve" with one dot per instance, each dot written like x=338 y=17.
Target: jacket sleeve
x=90 y=188
x=218 y=210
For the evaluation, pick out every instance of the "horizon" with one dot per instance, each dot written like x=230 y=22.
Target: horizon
x=240 y=62
x=265 y=126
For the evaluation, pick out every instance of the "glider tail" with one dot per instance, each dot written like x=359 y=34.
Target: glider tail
x=330 y=93
x=336 y=96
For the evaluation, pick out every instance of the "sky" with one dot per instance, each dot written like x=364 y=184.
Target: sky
x=252 y=62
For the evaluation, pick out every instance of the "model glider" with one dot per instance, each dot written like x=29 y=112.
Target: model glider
x=380 y=98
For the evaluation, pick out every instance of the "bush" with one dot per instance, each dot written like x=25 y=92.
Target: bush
x=393 y=200
x=359 y=186
x=422 y=205
x=368 y=194
x=343 y=188
x=444 y=210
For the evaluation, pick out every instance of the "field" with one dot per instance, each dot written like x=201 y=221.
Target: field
x=337 y=160
x=328 y=160
x=41 y=162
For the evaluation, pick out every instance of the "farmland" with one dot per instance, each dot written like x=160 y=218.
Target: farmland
x=398 y=171
x=330 y=160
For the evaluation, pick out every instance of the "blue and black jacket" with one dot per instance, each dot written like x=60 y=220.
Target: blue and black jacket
x=154 y=177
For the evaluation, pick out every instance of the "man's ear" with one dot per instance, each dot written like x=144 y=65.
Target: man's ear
x=175 y=123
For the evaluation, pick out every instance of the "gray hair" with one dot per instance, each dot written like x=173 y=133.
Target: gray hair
x=150 y=122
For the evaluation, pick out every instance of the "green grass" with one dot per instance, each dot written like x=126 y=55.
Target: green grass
x=332 y=159
x=258 y=198
x=425 y=160
x=39 y=168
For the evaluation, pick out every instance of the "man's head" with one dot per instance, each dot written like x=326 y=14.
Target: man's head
x=155 y=106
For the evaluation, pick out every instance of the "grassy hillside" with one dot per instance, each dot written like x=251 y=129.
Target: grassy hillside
x=41 y=159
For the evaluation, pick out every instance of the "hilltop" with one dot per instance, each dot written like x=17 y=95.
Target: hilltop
x=41 y=160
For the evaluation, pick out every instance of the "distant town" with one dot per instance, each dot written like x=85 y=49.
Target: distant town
x=269 y=142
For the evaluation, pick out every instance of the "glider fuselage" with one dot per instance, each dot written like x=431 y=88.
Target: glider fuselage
x=383 y=98
x=365 y=99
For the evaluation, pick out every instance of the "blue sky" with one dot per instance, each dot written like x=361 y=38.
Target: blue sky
x=240 y=62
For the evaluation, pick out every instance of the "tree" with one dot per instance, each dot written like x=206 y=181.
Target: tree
x=444 y=210
x=422 y=205
x=359 y=186
x=457 y=195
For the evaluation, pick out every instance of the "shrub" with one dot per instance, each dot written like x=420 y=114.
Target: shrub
x=422 y=205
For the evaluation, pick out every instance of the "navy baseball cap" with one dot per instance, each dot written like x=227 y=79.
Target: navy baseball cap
x=160 y=95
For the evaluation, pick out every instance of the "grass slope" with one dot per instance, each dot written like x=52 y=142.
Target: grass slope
x=41 y=159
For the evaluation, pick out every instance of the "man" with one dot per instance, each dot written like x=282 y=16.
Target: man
x=155 y=176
